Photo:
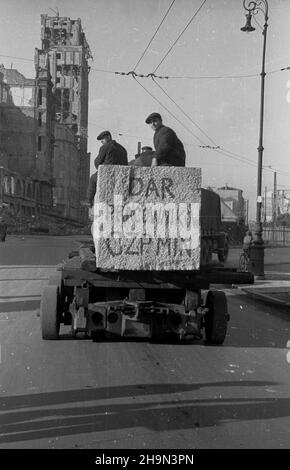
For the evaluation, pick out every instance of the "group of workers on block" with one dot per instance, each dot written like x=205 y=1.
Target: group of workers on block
x=169 y=151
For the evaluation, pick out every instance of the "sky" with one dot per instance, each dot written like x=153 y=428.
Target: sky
x=205 y=105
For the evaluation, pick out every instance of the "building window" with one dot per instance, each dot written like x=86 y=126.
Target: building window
x=39 y=96
x=58 y=55
x=39 y=143
x=6 y=185
x=12 y=182
x=39 y=119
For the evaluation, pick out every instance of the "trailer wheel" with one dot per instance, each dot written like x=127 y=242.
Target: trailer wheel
x=57 y=280
x=216 y=318
x=204 y=252
x=49 y=312
x=223 y=254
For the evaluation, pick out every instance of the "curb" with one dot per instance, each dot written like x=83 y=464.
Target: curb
x=267 y=298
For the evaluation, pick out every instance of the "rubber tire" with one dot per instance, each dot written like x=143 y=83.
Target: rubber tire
x=223 y=254
x=49 y=315
x=216 y=319
x=57 y=280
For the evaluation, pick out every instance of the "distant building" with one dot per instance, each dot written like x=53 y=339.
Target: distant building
x=23 y=189
x=234 y=205
x=275 y=205
x=44 y=162
x=62 y=63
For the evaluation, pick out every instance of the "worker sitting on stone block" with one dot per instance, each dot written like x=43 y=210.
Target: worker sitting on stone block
x=110 y=153
x=169 y=150
x=144 y=158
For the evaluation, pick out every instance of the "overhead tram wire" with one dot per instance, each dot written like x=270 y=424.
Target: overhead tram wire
x=104 y=71
x=211 y=77
x=222 y=152
x=145 y=50
x=170 y=49
x=149 y=75
x=185 y=114
x=191 y=120
x=241 y=157
x=18 y=58
x=163 y=106
x=186 y=77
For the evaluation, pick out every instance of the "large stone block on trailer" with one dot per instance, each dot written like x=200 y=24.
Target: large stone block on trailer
x=147 y=218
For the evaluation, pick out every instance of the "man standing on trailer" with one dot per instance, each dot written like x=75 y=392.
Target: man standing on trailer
x=144 y=158
x=169 y=150
x=111 y=153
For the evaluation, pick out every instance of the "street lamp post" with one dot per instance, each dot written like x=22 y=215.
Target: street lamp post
x=257 y=251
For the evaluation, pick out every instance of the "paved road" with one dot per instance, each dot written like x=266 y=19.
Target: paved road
x=277 y=259
x=74 y=393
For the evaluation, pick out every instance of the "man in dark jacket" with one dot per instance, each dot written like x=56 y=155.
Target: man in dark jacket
x=144 y=158
x=169 y=150
x=110 y=153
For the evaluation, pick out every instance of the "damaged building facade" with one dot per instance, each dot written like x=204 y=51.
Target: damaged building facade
x=43 y=123
x=23 y=192
x=62 y=73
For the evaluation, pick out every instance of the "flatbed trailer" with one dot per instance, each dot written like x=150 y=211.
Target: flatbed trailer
x=148 y=304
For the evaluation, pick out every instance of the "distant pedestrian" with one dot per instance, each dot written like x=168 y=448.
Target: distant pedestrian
x=247 y=241
x=169 y=150
x=110 y=153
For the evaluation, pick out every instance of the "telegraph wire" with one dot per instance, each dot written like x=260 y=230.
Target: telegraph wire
x=217 y=149
x=238 y=157
x=186 y=77
x=185 y=114
x=102 y=70
x=216 y=77
x=216 y=146
x=170 y=49
x=159 y=102
x=244 y=160
x=175 y=77
x=221 y=149
x=18 y=58
x=144 y=52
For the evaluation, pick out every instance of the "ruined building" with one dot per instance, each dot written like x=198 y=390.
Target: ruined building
x=23 y=191
x=44 y=163
x=62 y=105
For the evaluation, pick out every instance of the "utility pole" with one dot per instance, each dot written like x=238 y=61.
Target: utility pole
x=275 y=201
x=265 y=205
x=274 y=207
x=1 y=185
x=257 y=250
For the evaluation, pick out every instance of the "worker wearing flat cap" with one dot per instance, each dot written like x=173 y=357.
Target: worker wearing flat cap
x=144 y=158
x=110 y=153
x=169 y=150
